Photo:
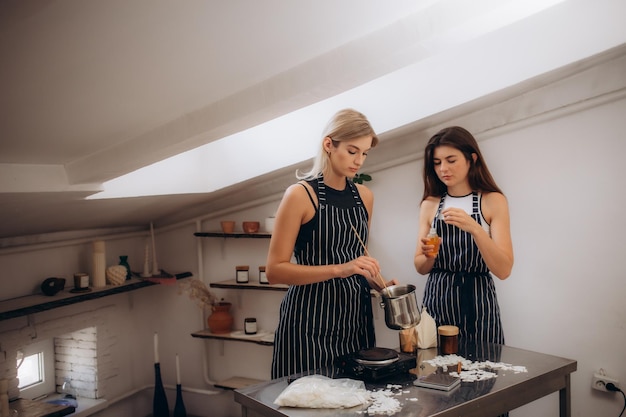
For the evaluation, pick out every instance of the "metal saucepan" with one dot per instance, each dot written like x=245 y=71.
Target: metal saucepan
x=400 y=304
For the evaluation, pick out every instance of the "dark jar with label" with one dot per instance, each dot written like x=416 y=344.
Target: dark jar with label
x=249 y=325
x=241 y=274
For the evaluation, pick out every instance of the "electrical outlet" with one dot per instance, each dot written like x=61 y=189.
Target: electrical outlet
x=600 y=379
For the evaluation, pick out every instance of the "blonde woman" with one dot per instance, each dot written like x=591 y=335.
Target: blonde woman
x=327 y=310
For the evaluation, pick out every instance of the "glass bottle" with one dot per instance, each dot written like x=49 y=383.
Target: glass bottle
x=70 y=392
x=433 y=239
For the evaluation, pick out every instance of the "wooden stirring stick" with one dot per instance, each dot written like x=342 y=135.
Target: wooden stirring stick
x=368 y=254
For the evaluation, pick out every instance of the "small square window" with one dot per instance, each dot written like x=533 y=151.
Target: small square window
x=30 y=371
x=35 y=369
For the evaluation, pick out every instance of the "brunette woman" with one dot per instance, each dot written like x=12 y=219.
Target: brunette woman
x=470 y=214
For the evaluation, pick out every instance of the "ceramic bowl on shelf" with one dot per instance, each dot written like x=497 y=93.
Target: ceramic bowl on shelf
x=228 y=226
x=251 y=227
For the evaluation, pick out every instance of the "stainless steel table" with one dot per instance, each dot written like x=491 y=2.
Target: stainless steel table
x=545 y=374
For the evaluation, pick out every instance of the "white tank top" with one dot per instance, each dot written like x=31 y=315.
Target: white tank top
x=465 y=203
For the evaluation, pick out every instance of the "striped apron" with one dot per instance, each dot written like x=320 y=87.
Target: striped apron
x=322 y=321
x=460 y=289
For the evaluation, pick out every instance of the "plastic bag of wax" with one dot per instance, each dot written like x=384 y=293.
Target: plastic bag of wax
x=318 y=391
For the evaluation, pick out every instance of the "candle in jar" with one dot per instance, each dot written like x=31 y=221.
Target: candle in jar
x=448 y=339
x=241 y=273
x=156 y=348
x=250 y=325
x=177 y=370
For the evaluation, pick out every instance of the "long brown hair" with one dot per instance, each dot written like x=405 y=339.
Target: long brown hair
x=479 y=177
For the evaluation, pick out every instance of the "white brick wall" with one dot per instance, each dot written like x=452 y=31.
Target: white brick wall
x=82 y=343
x=76 y=358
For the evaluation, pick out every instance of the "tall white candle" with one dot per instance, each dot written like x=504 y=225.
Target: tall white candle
x=98 y=274
x=146 y=262
x=177 y=370
x=156 y=348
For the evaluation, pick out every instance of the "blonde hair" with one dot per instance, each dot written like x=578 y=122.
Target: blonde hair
x=345 y=125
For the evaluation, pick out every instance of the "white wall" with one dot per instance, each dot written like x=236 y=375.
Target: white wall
x=562 y=174
x=562 y=177
x=564 y=297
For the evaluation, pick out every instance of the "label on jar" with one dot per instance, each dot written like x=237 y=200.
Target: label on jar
x=241 y=274
x=250 y=326
x=81 y=280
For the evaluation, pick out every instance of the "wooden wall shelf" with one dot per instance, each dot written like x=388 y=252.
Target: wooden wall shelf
x=252 y=285
x=234 y=235
x=259 y=339
x=36 y=303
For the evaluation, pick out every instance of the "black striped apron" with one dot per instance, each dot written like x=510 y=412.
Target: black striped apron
x=322 y=321
x=460 y=289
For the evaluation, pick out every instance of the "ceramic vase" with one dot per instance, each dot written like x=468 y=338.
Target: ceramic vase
x=125 y=264
x=220 y=321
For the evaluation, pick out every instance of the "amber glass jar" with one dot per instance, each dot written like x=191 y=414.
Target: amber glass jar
x=448 y=340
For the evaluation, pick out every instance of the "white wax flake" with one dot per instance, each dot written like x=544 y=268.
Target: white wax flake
x=473 y=371
x=474 y=375
x=382 y=401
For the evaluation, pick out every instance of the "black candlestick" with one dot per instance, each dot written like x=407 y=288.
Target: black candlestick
x=160 y=408
x=179 y=408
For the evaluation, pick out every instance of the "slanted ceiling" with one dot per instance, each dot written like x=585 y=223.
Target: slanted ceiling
x=92 y=89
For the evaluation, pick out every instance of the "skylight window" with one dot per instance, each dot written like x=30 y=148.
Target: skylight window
x=281 y=142
x=389 y=102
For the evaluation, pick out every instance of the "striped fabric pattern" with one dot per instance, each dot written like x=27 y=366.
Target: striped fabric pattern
x=460 y=289
x=322 y=321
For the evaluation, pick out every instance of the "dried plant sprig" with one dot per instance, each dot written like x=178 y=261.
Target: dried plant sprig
x=199 y=293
